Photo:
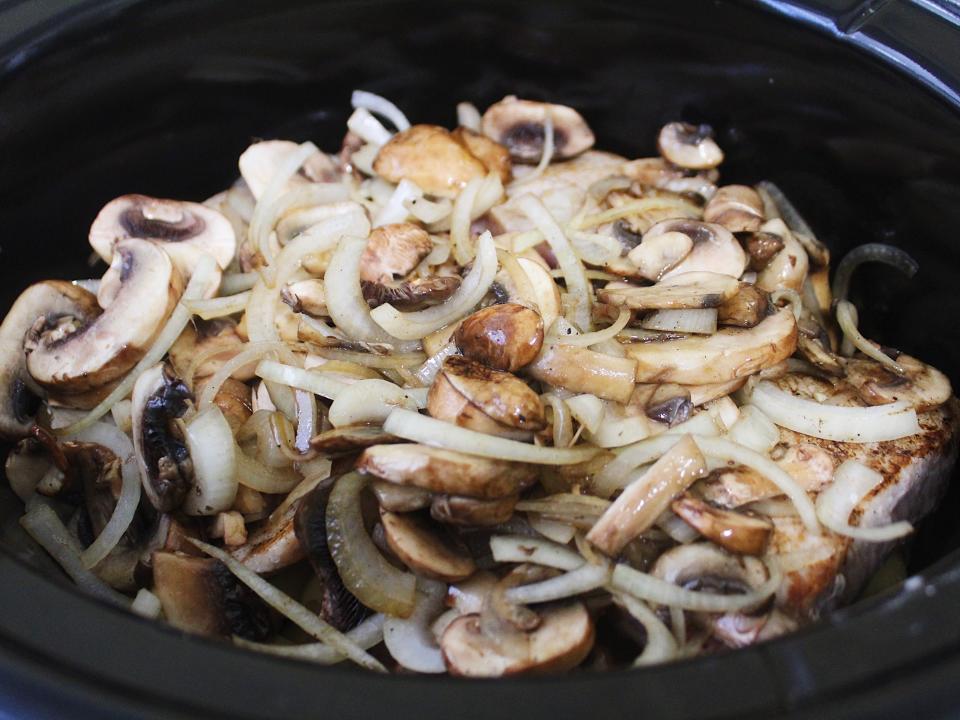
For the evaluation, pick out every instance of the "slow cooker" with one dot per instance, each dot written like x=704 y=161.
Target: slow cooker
x=852 y=107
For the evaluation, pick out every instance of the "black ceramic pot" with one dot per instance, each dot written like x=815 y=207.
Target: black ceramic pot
x=851 y=107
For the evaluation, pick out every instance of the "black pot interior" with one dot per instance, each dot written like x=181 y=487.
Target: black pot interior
x=161 y=98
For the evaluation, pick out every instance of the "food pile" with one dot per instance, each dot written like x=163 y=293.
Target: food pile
x=484 y=401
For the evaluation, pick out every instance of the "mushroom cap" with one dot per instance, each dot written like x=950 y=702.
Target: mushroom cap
x=715 y=249
x=185 y=230
x=689 y=146
x=430 y=157
x=739 y=208
x=519 y=126
x=50 y=298
x=503 y=397
x=503 y=337
x=445 y=402
x=922 y=385
x=471 y=512
x=544 y=291
x=657 y=254
x=733 y=531
x=422 y=549
x=445 y=471
x=562 y=641
x=104 y=349
x=704 y=565
x=259 y=162
x=789 y=267
x=494 y=156
x=393 y=251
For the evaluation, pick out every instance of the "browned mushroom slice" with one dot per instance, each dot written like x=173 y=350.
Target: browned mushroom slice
x=761 y=248
x=728 y=354
x=393 y=251
x=185 y=230
x=745 y=309
x=715 y=249
x=503 y=337
x=658 y=173
x=400 y=498
x=468 y=597
x=203 y=337
x=445 y=471
x=200 y=595
x=444 y=402
x=423 y=550
x=733 y=531
x=581 y=370
x=494 y=156
x=655 y=255
x=921 y=385
x=788 y=268
x=471 y=512
x=103 y=350
x=689 y=146
x=562 y=641
x=53 y=300
x=274 y=545
x=306 y=296
x=542 y=291
x=519 y=125
x=410 y=294
x=350 y=438
x=693 y=290
x=430 y=157
x=738 y=208
x=645 y=499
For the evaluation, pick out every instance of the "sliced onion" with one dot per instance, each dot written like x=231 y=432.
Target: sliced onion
x=42 y=524
x=599 y=336
x=460 y=240
x=676 y=527
x=369 y=402
x=562 y=424
x=871 y=252
x=579 y=510
x=852 y=482
x=583 y=579
x=205 y=275
x=831 y=422
x=617 y=429
x=682 y=208
x=395 y=210
x=209 y=309
x=573 y=273
x=380 y=106
x=295 y=377
x=468 y=116
x=368 y=128
x=259 y=477
x=594 y=248
x=429 y=211
x=754 y=430
x=847 y=319
x=437 y=433
x=365 y=635
x=420 y=323
x=427 y=372
x=489 y=194
x=375 y=360
x=660 y=646
x=516 y=549
x=699 y=321
x=364 y=571
x=115 y=440
x=233 y=283
x=559 y=532
x=292 y=610
x=410 y=640
x=652 y=589
x=251 y=353
x=546 y=154
x=588 y=410
x=601 y=188
x=306 y=419
x=213 y=454
x=146 y=604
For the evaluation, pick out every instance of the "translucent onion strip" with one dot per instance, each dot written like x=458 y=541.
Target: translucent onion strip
x=562 y=424
x=852 y=482
x=213 y=455
x=517 y=549
x=598 y=336
x=381 y=106
x=252 y=352
x=295 y=377
x=370 y=359
x=427 y=372
x=209 y=309
x=468 y=116
x=367 y=127
x=204 y=276
x=395 y=210
x=460 y=240
x=832 y=422
x=546 y=154
x=661 y=646
x=370 y=402
x=847 y=319
x=365 y=635
x=420 y=323
x=584 y=579
x=437 y=433
x=573 y=272
x=410 y=640
x=292 y=610
x=233 y=283
x=698 y=322
x=257 y=476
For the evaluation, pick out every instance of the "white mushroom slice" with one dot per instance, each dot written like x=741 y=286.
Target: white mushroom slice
x=705 y=567
x=103 y=350
x=657 y=254
x=658 y=173
x=689 y=146
x=734 y=531
x=738 y=208
x=422 y=550
x=519 y=125
x=185 y=230
x=400 y=498
x=56 y=301
x=274 y=545
x=691 y=290
x=715 y=249
x=728 y=354
x=445 y=471
x=393 y=251
x=580 y=370
x=445 y=402
x=921 y=385
x=306 y=296
x=562 y=641
x=789 y=267
x=468 y=597
x=471 y=512
x=646 y=498
x=259 y=162
x=501 y=396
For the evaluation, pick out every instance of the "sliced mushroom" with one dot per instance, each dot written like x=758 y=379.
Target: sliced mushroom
x=400 y=498
x=166 y=470
x=103 y=350
x=921 y=385
x=423 y=550
x=788 y=268
x=200 y=595
x=349 y=439
x=471 y=512
x=813 y=344
x=519 y=126
x=728 y=354
x=692 y=290
x=745 y=309
x=734 y=531
x=411 y=294
x=739 y=208
x=230 y=527
x=581 y=370
x=430 y=157
x=503 y=337
x=761 y=248
x=704 y=566
x=205 y=337
x=656 y=255
x=545 y=292
x=306 y=296
x=657 y=173
x=445 y=471
x=667 y=403
x=258 y=164
x=715 y=249
x=689 y=146
x=494 y=156
x=274 y=545
x=464 y=388
x=52 y=300
x=185 y=230
x=393 y=251
x=469 y=596
x=562 y=641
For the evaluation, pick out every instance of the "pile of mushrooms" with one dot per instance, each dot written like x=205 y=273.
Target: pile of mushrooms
x=480 y=400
